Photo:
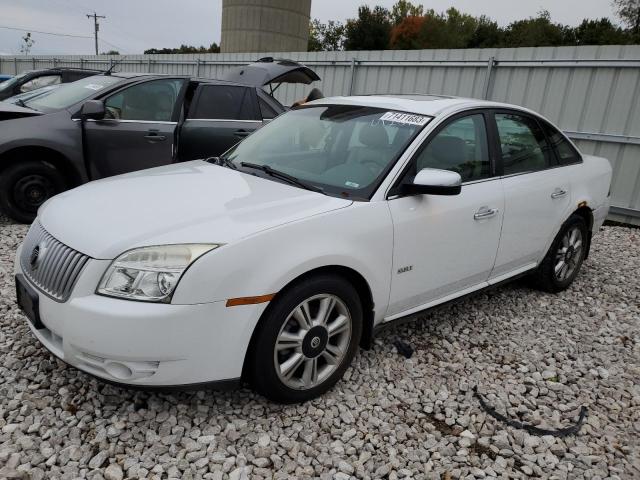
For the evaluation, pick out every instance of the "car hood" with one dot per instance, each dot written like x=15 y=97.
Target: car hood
x=192 y=202
x=269 y=70
x=9 y=111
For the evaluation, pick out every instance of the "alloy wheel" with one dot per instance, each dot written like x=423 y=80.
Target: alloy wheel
x=569 y=254
x=313 y=342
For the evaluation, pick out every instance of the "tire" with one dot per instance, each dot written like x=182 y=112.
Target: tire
x=25 y=186
x=562 y=263
x=287 y=374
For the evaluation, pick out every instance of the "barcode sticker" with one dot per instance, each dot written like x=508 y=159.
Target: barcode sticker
x=405 y=118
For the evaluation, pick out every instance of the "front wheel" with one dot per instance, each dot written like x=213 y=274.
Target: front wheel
x=564 y=258
x=25 y=186
x=307 y=339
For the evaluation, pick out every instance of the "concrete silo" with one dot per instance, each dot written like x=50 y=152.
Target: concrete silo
x=265 y=25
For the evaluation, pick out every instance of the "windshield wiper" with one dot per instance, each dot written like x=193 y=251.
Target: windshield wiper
x=282 y=176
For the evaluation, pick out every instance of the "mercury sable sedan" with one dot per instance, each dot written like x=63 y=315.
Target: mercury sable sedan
x=276 y=261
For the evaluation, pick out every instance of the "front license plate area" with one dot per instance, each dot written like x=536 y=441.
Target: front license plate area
x=28 y=302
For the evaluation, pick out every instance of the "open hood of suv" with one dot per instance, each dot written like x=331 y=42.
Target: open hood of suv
x=269 y=70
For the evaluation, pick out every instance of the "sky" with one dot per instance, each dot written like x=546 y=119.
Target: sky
x=132 y=26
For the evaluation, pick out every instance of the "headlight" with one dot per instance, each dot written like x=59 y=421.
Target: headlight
x=149 y=274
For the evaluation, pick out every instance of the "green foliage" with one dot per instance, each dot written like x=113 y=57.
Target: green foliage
x=110 y=52
x=370 y=31
x=326 y=36
x=213 y=48
x=409 y=26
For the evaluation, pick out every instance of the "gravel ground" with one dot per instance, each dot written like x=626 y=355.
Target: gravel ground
x=534 y=356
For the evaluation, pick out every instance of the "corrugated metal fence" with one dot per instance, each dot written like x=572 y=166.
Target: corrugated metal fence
x=592 y=93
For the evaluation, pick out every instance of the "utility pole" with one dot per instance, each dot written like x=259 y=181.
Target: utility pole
x=96 y=26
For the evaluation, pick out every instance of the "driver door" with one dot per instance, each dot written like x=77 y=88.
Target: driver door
x=138 y=129
x=445 y=246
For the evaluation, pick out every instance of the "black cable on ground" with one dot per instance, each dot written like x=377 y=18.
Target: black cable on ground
x=562 y=432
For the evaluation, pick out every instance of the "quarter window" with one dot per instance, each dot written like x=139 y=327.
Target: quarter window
x=565 y=152
x=221 y=102
x=268 y=113
x=523 y=144
x=460 y=147
x=149 y=101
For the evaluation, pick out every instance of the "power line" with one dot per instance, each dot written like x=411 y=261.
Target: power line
x=44 y=33
x=96 y=27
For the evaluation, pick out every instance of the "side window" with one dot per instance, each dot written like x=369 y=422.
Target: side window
x=460 y=147
x=149 y=101
x=268 y=113
x=523 y=144
x=222 y=102
x=565 y=152
x=39 y=82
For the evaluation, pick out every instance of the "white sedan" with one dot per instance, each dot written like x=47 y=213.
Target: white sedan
x=275 y=262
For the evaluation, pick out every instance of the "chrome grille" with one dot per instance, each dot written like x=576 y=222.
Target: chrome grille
x=49 y=264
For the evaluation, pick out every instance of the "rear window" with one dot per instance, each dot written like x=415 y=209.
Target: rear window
x=565 y=152
x=221 y=102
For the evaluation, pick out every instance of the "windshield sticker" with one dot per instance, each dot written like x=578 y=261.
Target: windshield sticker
x=404 y=118
x=352 y=184
x=94 y=86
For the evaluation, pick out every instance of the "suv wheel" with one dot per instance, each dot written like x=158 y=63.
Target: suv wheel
x=25 y=186
x=307 y=339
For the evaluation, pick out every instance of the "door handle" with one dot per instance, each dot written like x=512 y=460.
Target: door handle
x=485 y=213
x=154 y=136
x=241 y=133
x=558 y=192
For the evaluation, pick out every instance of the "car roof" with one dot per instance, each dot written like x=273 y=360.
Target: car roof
x=423 y=104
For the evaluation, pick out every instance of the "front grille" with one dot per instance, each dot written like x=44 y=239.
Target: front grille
x=49 y=264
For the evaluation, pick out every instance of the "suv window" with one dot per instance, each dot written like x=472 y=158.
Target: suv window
x=565 y=152
x=267 y=111
x=523 y=144
x=149 y=101
x=461 y=147
x=222 y=102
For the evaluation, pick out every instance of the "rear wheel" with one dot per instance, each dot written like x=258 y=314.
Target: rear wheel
x=25 y=186
x=307 y=339
x=564 y=258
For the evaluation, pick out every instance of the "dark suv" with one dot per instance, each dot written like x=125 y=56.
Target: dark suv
x=32 y=80
x=117 y=123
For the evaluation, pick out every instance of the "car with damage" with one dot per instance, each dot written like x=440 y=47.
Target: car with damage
x=116 y=123
x=275 y=262
x=35 y=79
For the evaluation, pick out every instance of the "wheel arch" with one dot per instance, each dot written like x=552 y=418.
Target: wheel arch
x=587 y=214
x=352 y=276
x=45 y=154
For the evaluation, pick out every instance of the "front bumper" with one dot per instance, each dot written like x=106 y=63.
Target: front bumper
x=144 y=344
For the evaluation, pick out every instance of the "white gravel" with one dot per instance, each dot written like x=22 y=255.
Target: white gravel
x=535 y=356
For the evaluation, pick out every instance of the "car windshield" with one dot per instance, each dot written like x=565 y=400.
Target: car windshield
x=343 y=149
x=71 y=93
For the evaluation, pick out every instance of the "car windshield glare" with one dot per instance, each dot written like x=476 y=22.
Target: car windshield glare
x=71 y=93
x=343 y=149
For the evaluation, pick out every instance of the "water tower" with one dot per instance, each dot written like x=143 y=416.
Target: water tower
x=265 y=25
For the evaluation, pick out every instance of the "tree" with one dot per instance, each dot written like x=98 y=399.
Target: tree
x=487 y=34
x=213 y=48
x=27 y=43
x=111 y=52
x=325 y=36
x=370 y=31
x=406 y=34
x=537 y=32
x=629 y=12
x=600 y=32
x=404 y=9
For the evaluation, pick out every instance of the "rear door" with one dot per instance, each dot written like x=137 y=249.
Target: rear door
x=537 y=192
x=218 y=118
x=138 y=130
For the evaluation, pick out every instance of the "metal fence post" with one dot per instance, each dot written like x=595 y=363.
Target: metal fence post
x=15 y=65
x=488 y=78
x=148 y=65
x=33 y=63
x=353 y=75
x=197 y=67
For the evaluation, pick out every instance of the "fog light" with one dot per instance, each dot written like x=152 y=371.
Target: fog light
x=118 y=370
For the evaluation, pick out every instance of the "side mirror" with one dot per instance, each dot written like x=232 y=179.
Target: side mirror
x=433 y=181
x=93 y=109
